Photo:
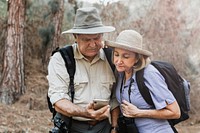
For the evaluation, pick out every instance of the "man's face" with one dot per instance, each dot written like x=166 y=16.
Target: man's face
x=89 y=44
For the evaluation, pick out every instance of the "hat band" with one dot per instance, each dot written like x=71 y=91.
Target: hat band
x=88 y=26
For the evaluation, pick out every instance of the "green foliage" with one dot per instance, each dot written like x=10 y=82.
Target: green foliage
x=46 y=33
x=3 y=25
x=54 y=5
x=3 y=8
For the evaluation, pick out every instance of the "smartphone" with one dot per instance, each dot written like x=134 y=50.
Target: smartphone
x=99 y=103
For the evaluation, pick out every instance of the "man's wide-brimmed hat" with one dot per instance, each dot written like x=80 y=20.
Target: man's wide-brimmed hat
x=129 y=40
x=88 y=21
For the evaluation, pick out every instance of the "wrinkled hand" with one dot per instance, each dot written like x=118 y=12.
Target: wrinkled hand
x=99 y=114
x=129 y=110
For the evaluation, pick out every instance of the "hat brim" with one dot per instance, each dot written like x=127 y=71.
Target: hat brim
x=124 y=46
x=95 y=30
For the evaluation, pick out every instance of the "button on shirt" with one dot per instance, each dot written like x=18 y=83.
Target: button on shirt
x=91 y=80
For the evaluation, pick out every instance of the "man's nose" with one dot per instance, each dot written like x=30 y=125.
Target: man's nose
x=93 y=43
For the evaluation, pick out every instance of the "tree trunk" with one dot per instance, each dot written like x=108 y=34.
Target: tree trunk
x=57 y=18
x=57 y=22
x=12 y=81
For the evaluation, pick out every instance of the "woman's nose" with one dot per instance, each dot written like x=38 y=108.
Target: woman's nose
x=119 y=61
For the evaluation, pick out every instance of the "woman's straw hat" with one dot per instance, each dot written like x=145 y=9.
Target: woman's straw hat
x=129 y=40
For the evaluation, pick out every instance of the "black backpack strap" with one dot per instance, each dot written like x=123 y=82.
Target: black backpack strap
x=68 y=56
x=159 y=65
x=108 y=53
x=144 y=90
x=54 y=51
x=52 y=110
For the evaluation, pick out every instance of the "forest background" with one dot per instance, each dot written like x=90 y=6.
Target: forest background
x=171 y=30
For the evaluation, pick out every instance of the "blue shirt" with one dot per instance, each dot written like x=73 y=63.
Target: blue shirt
x=160 y=95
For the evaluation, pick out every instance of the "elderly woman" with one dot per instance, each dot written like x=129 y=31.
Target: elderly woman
x=129 y=57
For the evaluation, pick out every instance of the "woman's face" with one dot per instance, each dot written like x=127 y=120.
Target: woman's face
x=124 y=60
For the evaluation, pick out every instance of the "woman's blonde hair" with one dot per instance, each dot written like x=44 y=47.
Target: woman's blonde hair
x=142 y=61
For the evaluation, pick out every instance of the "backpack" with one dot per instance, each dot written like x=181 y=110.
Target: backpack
x=179 y=87
x=68 y=57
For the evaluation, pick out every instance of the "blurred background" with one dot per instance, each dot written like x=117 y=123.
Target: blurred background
x=170 y=28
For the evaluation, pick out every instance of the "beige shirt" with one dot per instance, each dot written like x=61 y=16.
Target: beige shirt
x=91 y=80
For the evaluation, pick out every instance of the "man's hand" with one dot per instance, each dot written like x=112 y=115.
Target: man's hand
x=99 y=114
x=69 y=109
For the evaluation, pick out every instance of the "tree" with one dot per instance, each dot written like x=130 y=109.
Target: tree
x=12 y=81
x=57 y=21
x=52 y=38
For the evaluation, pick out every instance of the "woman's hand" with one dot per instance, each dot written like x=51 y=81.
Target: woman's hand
x=171 y=111
x=129 y=110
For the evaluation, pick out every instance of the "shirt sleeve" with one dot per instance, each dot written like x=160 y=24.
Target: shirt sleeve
x=159 y=91
x=113 y=101
x=58 y=78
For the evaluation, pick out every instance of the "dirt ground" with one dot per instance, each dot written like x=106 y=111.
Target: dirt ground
x=31 y=115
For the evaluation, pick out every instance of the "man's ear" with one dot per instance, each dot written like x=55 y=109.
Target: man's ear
x=75 y=37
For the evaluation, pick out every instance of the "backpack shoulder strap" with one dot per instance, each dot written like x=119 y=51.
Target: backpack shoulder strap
x=166 y=69
x=144 y=90
x=68 y=56
x=108 y=53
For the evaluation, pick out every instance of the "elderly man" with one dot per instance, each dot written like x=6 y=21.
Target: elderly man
x=93 y=78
